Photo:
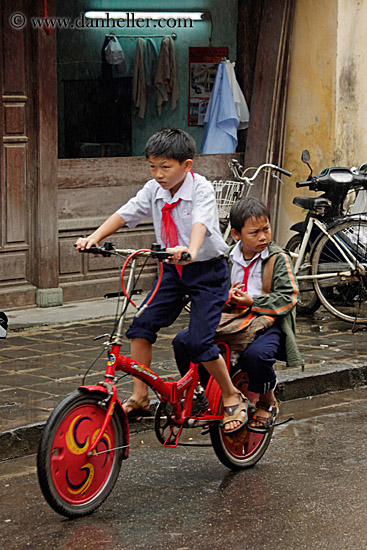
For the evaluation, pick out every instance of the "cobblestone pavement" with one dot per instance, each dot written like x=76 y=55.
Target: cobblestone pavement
x=41 y=365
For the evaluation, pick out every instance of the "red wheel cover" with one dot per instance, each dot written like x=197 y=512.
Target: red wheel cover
x=76 y=477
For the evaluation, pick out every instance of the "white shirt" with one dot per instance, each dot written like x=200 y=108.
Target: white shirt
x=254 y=283
x=197 y=204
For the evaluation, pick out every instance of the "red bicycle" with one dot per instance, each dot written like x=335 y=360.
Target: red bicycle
x=86 y=438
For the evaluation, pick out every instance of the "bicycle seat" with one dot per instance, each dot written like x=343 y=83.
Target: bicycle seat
x=309 y=203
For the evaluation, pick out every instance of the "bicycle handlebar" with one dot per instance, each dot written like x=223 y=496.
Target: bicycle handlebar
x=236 y=167
x=155 y=252
x=274 y=167
x=285 y=172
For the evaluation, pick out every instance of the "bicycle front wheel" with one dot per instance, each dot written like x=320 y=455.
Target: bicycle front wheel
x=339 y=264
x=74 y=484
x=242 y=449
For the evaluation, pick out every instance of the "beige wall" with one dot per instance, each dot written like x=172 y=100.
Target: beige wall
x=327 y=103
x=351 y=78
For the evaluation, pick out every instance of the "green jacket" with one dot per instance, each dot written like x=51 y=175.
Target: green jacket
x=280 y=302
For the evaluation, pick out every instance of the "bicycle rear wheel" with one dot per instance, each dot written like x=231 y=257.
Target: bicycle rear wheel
x=73 y=484
x=343 y=287
x=308 y=301
x=243 y=449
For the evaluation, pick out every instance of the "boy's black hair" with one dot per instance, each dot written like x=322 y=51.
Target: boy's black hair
x=245 y=209
x=171 y=143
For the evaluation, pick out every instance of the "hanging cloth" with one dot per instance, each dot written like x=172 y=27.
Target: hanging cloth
x=166 y=81
x=115 y=55
x=139 y=88
x=150 y=61
x=221 y=119
x=238 y=97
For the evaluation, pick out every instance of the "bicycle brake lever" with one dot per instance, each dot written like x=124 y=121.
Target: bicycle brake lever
x=101 y=336
x=140 y=311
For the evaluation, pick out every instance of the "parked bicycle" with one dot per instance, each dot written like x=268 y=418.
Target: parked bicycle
x=227 y=192
x=86 y=437
x=330 y=247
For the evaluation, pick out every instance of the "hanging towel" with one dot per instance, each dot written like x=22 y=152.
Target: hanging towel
x=166 y=81
x=221 y=119
x=238 y=97
x=139 y=88
x=150 y=61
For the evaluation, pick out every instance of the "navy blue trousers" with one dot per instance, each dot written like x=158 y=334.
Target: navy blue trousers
x=207 y=284
x=257 y=360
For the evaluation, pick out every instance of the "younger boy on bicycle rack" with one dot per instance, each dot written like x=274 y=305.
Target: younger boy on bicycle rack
x=185 y=217
x=261 y=304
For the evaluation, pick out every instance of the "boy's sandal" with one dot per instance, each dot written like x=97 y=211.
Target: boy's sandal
x=136 y=409
x=266 y=423
x=232 y=413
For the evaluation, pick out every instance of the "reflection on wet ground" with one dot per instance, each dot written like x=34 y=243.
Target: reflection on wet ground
x=39 y=366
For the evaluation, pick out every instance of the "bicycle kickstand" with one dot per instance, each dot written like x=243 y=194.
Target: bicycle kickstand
x=172 y=439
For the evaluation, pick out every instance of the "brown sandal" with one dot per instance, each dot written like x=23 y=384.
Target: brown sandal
x=137 y=409
x=266 y=423
x=232 y=413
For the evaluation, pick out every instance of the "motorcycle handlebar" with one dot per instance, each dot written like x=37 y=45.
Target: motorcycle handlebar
x=303 y=183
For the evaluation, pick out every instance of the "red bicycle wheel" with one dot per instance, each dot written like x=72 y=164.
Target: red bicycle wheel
x=242 y=449
x=74 y=484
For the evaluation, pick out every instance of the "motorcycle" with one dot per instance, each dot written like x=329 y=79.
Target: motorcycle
x=344 y=191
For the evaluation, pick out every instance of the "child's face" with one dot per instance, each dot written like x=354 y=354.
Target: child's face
x=169 y=173
x=255 y=236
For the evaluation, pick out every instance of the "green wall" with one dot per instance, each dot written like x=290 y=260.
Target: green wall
x=79 y=55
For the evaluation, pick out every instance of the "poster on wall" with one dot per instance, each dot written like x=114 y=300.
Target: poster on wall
x=203 y=65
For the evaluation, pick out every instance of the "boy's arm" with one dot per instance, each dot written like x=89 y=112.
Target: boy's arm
x=111 y=225
x=197 y=236
x=283 y=296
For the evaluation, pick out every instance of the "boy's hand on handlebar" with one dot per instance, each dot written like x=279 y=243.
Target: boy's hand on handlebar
x=85 y=243
x=176 y=252
x=239 y=297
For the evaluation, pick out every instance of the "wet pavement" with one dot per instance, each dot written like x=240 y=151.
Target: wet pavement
x=47 y=352
x=309 y=491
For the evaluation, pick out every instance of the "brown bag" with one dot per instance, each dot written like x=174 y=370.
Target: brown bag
x=240 y=328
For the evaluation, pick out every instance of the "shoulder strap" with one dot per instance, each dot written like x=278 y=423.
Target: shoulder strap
x=268 y=274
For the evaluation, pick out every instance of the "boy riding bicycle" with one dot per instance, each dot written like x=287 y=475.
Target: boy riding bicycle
x=264 y=293
x=185 y=218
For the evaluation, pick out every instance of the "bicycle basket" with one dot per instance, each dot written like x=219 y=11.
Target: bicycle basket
x=226 y=194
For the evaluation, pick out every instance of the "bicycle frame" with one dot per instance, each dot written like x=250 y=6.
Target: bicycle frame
x=169 y=391
x=340 y=246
